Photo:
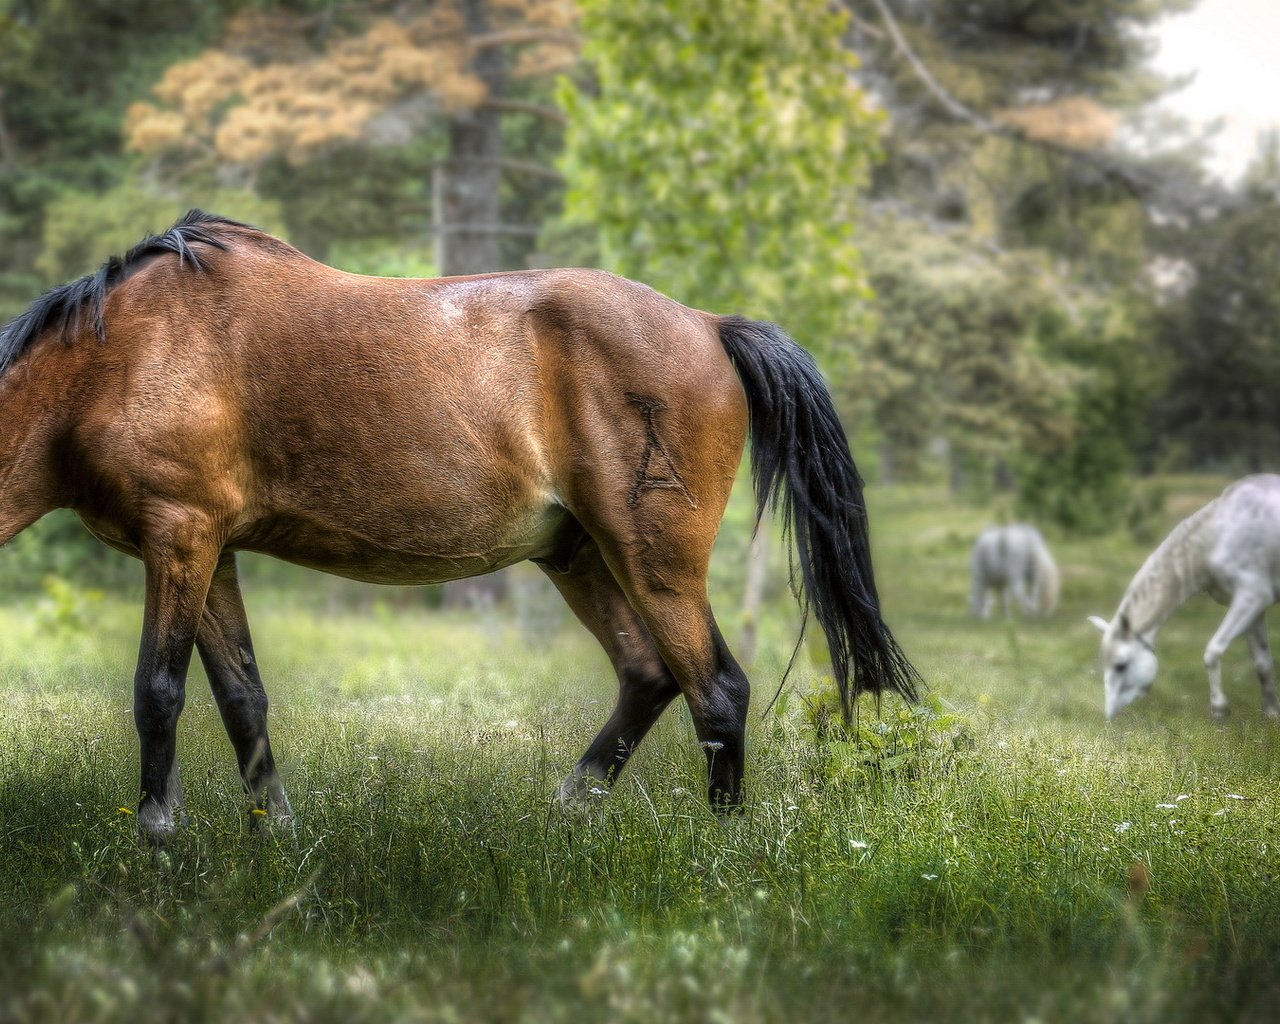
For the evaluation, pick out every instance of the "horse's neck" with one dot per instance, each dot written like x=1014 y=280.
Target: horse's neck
x=1175 y=571
x=27 y=424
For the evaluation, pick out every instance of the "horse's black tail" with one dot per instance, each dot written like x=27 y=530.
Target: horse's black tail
x=802 y=465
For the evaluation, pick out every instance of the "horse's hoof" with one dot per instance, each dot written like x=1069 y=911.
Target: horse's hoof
x=156 y=824
x=1272 y=711
x=1221 y=714
x=580 y=792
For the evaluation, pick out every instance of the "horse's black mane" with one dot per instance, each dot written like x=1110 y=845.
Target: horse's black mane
x=67 y=303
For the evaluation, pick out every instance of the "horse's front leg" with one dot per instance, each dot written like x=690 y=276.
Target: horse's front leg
x=227 y=653
x=1264 y=665
x=1246 y=606
x=179 y=564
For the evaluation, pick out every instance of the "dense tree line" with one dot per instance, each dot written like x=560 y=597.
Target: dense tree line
x=945 y=200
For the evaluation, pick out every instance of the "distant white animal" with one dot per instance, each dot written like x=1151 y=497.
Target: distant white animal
x=1014 y=560
x=1231 y=549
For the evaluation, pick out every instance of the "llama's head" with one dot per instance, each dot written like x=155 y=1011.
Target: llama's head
x=1128 y=663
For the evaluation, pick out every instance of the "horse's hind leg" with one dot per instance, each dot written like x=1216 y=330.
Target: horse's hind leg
x=645 y=685
x=179 y=564
x=1264 y=665
x=663 y=573
x=227 y=653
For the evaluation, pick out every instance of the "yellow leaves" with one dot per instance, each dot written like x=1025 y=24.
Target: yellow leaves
x=1074 y=121
x=246 y=104
x=196 y=87
x=149 y=129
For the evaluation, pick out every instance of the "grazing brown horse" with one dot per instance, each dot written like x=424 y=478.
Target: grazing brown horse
x=215 y=390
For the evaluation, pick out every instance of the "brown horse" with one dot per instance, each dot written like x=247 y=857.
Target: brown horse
x=215 y=390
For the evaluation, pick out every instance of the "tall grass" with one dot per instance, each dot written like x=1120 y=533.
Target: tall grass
x=1024 y=861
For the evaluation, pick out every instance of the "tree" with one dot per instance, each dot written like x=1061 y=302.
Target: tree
x=296 y=86
x=959 y=351
x=67 y=72
x=1221 y=339
x=720 y=159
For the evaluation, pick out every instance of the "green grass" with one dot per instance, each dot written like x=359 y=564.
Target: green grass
x=1018 y=866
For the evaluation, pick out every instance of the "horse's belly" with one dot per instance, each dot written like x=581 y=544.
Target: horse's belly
x=388 y=553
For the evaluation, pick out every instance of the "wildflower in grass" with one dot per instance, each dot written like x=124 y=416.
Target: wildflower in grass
x=124 y=810
x=1182 y=796
x=857 y=844
x=1219 y=812
x=1165 y=807
x=929 y=878
x=1123 y=827
x=1236 y=796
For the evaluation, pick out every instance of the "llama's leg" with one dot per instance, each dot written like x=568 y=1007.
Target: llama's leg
x=1246 y=606
x=179 y=565
x=227 y=652
x=645 y=685
x=1264 y=665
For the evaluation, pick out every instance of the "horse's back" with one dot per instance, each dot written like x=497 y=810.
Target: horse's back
x=1246 y=524
x=426 y=429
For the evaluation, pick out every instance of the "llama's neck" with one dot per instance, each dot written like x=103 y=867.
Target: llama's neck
x=1174 y=572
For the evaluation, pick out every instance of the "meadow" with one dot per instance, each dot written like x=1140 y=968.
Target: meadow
x=1001 y=854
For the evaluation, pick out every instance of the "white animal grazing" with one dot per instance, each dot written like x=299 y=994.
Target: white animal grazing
x=1014 y=560
x=1230 y=548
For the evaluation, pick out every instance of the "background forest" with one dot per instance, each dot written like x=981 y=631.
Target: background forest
x=1032 y=300
x=1015 y=271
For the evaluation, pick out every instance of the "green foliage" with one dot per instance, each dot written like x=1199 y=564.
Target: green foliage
x=1222 y=338
x=67 y=606
x=720 y=158
x=960 y=350
x=910 y=739
x=1082 y=483
x=383 y=257
x=81 y=229
x=68 y=70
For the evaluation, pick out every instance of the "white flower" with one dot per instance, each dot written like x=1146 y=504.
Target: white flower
x=1166 y=807
x=1123 y=827
x=857 y=844
x=1182 y=796
x=930 y=878
x=1221 y=811
x=1236 y=796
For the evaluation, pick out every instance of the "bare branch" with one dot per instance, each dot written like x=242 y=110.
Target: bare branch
x=542 y=110
x=1140 y=185
x=512 y=36
x=526 y=167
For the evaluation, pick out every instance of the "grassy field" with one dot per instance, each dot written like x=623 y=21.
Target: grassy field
x=1009 y=858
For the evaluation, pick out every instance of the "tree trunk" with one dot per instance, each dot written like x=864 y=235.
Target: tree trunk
x=467 y=210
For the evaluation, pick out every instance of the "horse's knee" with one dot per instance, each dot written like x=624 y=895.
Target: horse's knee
x=158 y=699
